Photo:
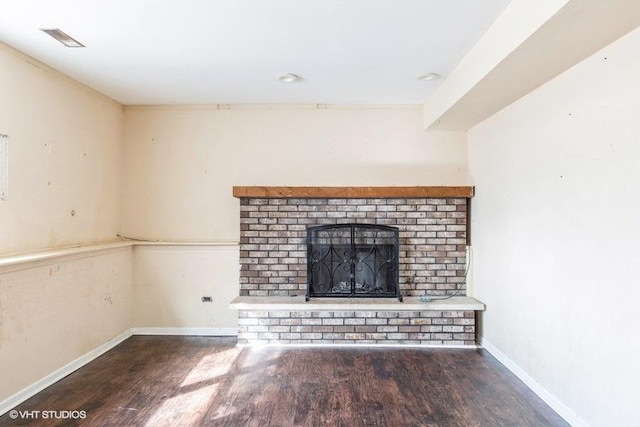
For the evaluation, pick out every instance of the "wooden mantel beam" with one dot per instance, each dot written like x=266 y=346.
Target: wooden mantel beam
x=351 y=192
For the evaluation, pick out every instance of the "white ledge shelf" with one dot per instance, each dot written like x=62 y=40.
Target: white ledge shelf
x=184 y=243
x=298 y=303
x=31 y=257
x=16 y=262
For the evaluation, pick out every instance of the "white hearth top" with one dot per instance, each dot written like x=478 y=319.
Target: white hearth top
x=298 y=303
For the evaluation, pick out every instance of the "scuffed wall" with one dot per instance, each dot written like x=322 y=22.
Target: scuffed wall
x=64 y=158
x=57 y=311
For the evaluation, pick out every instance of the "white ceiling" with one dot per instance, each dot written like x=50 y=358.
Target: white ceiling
x=230 y=51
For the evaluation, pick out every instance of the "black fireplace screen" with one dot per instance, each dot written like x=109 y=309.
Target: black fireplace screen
x=352 y=260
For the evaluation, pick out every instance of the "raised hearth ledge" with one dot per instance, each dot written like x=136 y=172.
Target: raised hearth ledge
x=352 y=192
x=298 y=303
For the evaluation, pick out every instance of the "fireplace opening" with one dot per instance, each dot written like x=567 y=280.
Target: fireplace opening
x=352 y=260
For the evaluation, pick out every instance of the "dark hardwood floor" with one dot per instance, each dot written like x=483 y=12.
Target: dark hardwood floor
x=204 y=381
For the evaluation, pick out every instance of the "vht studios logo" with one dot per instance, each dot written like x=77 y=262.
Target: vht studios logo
x=51 y=415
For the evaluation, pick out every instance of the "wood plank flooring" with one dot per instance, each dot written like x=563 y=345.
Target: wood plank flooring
x=205 y=381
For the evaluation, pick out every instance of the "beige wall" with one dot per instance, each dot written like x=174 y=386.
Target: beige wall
x=180 y=164
x=52 y=313
x=64 y=153
x=171 y=281
x=555 y=230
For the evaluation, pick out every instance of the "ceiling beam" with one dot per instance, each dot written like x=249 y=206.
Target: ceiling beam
x=530 y=43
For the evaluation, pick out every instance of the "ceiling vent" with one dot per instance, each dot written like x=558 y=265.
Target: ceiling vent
x=62 y=37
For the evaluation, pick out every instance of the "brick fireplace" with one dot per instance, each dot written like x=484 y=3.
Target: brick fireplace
x=432 y=229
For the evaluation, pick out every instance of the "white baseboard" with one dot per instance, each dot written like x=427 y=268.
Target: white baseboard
x=563 y=410
x=219 y=332
x=58 y=374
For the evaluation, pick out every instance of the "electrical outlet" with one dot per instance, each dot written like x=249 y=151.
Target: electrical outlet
x=206 y=299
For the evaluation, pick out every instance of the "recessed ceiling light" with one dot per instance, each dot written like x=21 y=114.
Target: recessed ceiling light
x=288 y=78
x=62 y=37
x=428 y=76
